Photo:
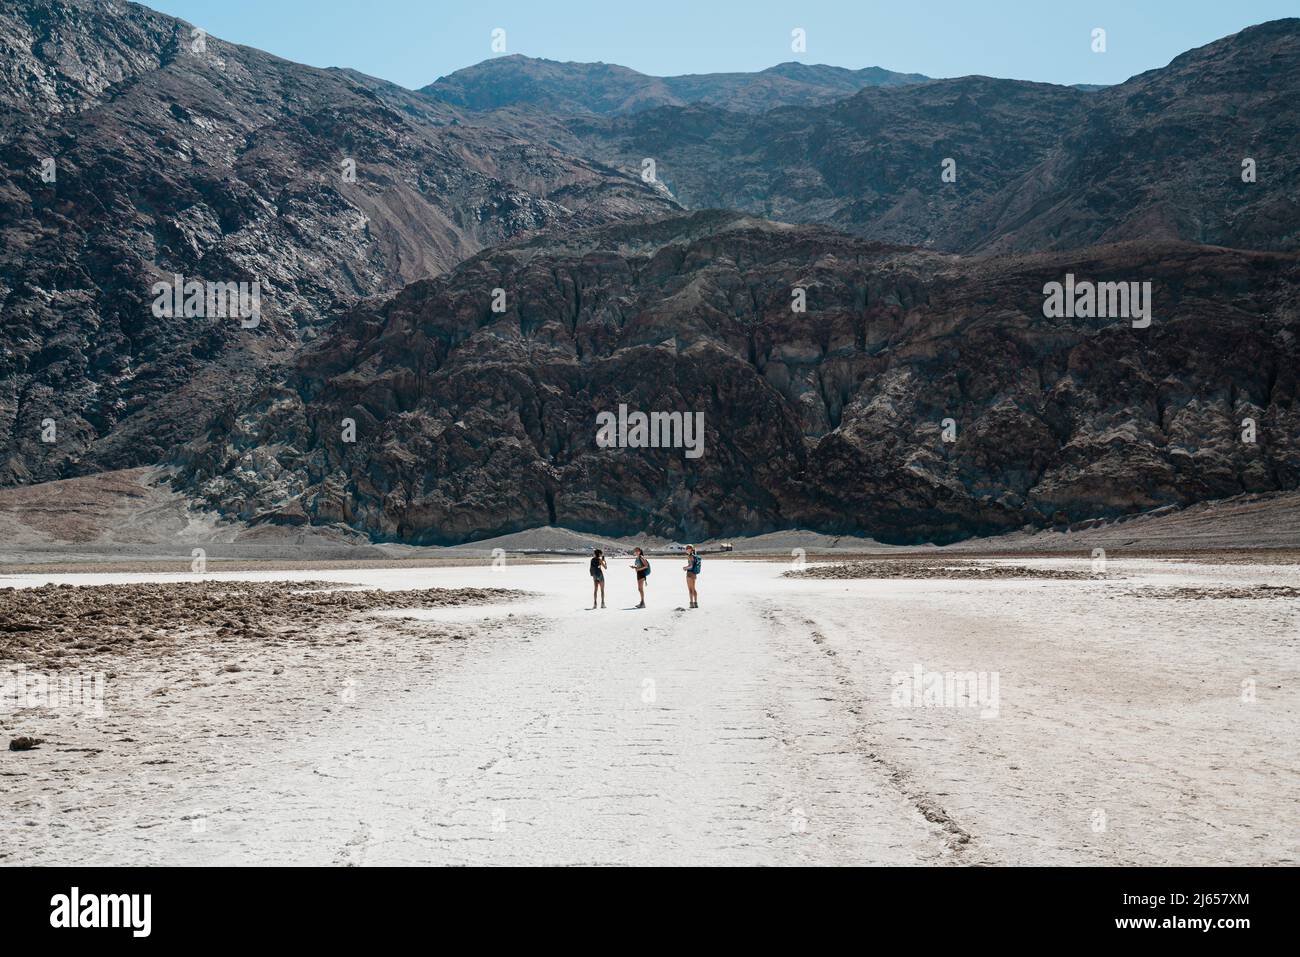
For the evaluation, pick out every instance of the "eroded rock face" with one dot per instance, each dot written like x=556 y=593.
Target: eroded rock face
x=133 y=149
x=471 y=423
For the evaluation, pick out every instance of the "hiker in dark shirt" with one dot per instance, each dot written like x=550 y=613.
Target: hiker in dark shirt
x=598 y=577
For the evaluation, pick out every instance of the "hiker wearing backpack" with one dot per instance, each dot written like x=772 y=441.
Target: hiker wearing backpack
x=642 y=568
x=692 y=568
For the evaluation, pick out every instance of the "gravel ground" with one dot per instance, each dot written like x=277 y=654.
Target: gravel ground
x=937 y=568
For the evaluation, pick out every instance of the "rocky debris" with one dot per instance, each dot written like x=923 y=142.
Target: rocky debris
x=25 y=743
x=938 y=568
x=113 y=508
x=1197 y=593
x=472 y=424
x=64 y=626
x=1265 y=523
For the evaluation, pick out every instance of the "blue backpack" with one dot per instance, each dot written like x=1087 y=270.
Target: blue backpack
x=696 y=564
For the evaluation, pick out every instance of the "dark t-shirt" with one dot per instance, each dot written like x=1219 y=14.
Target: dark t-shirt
x=595 y=568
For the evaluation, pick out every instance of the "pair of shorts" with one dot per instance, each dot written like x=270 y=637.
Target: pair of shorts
x=598 y=577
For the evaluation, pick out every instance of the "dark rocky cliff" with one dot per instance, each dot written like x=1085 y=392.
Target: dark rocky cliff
x=471 y=423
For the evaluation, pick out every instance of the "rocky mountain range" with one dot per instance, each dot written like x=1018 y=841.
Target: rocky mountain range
x=1036 y=166
x=469 y=274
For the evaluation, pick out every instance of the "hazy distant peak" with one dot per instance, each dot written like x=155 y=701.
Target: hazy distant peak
x=608 y=89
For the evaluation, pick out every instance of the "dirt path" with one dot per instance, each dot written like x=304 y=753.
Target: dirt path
x=761 y=729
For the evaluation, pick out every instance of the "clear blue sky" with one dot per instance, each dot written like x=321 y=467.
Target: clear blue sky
x=412 y=42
